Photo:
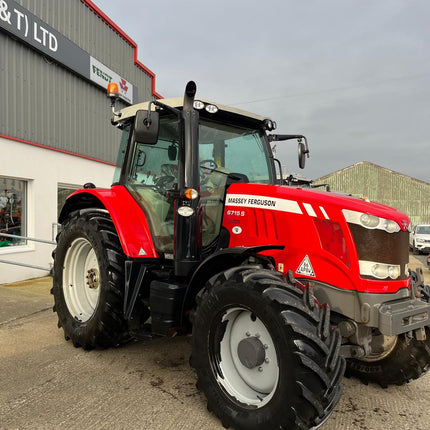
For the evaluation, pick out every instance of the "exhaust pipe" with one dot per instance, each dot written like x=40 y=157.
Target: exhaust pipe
x=188 y=230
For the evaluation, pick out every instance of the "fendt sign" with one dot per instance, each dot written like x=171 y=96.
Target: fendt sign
x=18 y=21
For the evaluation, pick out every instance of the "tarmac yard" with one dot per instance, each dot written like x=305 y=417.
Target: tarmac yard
x=46 y=383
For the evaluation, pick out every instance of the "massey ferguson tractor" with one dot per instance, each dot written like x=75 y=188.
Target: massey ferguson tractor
x=283 y=288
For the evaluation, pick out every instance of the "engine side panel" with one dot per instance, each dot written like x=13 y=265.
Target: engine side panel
x=319 y=244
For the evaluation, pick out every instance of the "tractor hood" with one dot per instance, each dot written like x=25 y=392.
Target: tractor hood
x=315 y=203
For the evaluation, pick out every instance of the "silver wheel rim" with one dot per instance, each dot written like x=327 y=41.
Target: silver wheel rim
x=382 y=346
x=81 y=280
x=252 y=386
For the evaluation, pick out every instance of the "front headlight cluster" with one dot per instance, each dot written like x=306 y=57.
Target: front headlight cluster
x=371 y=221
x=379 y=270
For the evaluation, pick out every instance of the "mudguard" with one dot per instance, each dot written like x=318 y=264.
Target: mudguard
x=128 y=217
x=221 y=261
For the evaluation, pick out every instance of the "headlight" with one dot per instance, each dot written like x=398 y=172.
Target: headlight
x=391 y=226
x=419 y=240
x=370 y=221
x=379 y=270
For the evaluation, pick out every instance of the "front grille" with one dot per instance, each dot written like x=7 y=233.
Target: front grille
x=382 y=247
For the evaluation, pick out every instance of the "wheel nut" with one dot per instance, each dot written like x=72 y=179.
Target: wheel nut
x=260 y=369
x=248 y=333
x=267 y=360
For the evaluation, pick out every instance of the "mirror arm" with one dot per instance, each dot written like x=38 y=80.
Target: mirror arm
x=299 y=137
x=281 y=179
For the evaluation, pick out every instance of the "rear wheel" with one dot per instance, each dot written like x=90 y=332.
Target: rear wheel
x=89 y=281
x=264 y=352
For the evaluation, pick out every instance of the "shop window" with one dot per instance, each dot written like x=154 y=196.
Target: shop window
x=13 y=202
x=64 y=191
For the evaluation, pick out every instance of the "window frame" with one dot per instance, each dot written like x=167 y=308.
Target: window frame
x=23 y=229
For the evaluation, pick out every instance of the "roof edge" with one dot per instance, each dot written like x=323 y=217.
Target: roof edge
x=369 y=163
x=127 y=38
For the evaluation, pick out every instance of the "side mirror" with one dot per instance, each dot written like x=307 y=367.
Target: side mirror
x=302 y=154
x=146 y=127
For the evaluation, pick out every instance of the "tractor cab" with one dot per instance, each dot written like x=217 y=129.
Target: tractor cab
x=159 y=162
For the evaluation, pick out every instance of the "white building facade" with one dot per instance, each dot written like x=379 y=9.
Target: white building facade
x=56 y=59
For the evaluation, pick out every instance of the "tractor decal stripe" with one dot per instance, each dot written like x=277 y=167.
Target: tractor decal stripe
x=324 y=213
x=263 y=202
x=309 y=209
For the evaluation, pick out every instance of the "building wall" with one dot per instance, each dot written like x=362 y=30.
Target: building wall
x=46 y=104
x=43 y=170
x=55 y=130
x=386 y=186
x=78 y=21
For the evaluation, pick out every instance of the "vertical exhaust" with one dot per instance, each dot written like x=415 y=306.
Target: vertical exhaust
x=188 y=231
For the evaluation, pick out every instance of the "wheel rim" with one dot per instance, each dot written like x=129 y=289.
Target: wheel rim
x=81 y=280
x=382 y=346
x=245 y=358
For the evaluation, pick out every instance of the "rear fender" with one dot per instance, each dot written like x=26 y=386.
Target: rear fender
x=129 y=219
x=220 y=262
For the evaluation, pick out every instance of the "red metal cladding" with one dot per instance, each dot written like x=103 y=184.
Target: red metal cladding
x=129 y=219
x=310 y=224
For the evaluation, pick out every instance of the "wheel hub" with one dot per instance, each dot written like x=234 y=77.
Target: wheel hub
x=251 y=352
x=248 y=363
x=93 y=278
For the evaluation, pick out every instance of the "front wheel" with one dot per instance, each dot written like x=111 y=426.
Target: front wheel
x=399 y=360
x=88 y=283
x=264 y=352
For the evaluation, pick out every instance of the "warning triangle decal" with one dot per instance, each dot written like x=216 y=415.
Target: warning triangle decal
x=306 y=268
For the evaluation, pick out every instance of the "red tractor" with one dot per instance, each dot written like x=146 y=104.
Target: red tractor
x=282 y=287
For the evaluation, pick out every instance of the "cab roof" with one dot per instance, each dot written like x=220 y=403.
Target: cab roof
x=178 y=102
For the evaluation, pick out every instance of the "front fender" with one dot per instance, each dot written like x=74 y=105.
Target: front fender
x=221 y=261
x=129 y=219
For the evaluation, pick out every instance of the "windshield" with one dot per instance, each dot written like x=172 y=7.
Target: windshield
x=423 y=229
x=235 y=150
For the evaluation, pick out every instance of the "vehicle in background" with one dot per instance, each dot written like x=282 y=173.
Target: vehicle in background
x=419 y=239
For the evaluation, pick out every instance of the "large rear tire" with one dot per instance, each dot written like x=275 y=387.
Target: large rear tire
x=264 y=352
x=403 y=360
x=88 y=285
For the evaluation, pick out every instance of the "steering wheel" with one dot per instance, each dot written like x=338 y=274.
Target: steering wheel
x=206 y=166
x=161 y=184
x=211 y=164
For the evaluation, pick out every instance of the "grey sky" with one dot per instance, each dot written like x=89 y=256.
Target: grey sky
x=352 y=75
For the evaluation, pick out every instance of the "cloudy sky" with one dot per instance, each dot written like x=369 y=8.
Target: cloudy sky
x=351 y=75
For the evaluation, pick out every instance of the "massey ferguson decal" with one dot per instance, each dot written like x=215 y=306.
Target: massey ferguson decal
x=263 y=202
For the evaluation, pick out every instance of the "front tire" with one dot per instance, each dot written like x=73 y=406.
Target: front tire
x=404 y=360
x=88 y=282
x=264 y=352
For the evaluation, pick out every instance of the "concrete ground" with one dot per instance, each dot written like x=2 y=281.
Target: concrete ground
x=46 y=383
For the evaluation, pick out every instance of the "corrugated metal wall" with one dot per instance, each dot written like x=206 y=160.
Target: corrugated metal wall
x=382 y=185
x=44 y=103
